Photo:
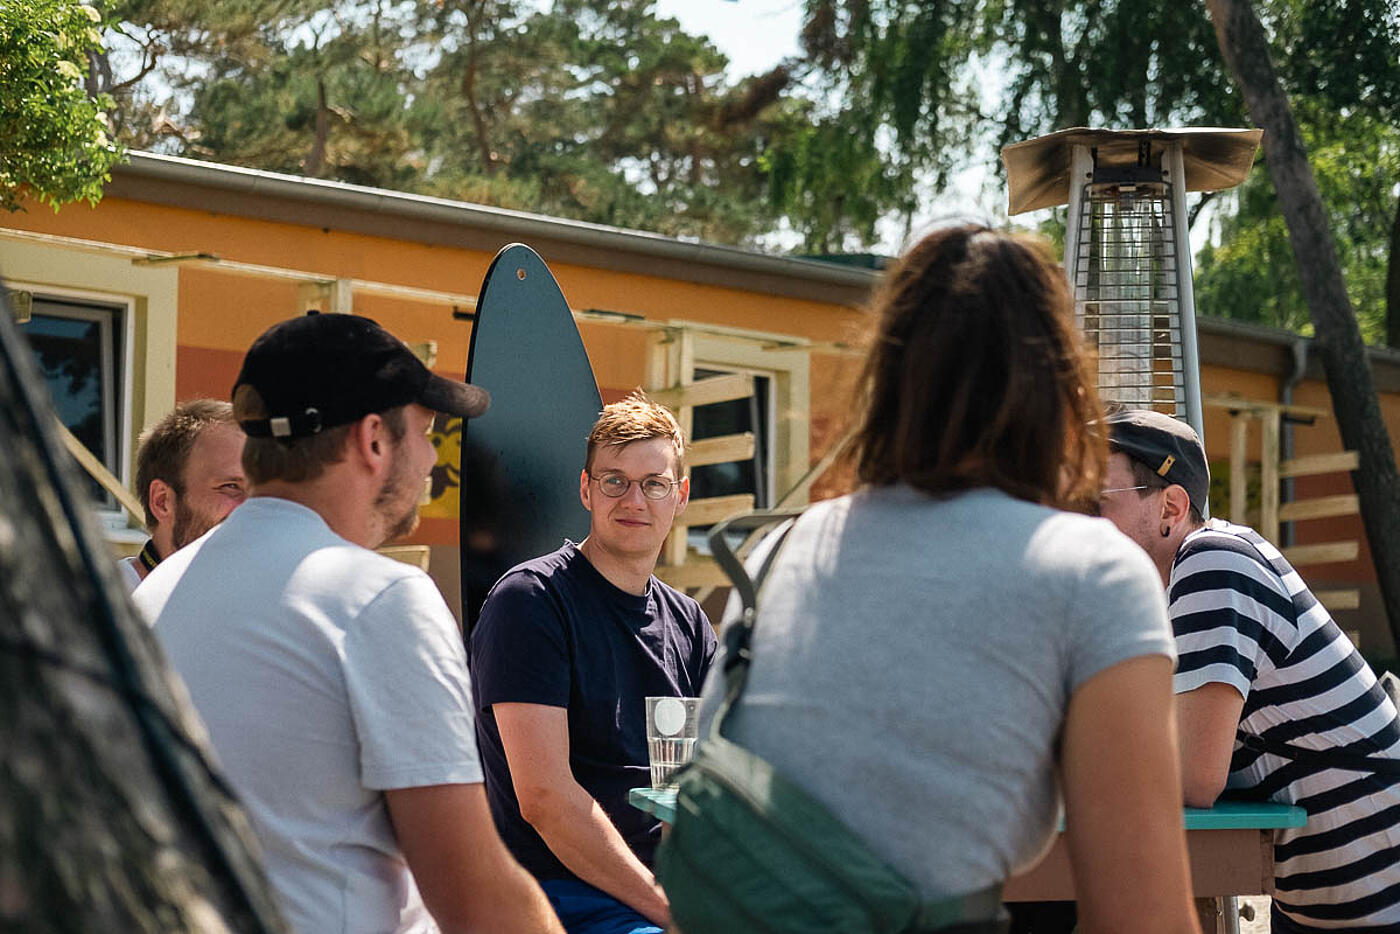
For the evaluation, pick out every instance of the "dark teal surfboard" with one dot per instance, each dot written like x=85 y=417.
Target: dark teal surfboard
x=521 y=460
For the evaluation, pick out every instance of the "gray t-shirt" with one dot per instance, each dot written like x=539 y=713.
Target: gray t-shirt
x=914 y=660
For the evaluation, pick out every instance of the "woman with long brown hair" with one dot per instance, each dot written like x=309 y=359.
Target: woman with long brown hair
x=945 y=654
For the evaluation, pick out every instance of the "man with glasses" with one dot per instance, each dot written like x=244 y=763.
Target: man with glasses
x=567 y=647
x=1273 y=701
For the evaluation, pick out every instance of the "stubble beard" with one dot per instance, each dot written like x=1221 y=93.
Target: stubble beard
x=395 y=485
x=405 y=525
x=187 y=525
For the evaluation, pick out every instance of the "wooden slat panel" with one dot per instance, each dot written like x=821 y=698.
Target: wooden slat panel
x=1319 y=463
x=720 y=450
x=416 y=555
x=1339 y=599
x=1239 y=461
x=99 y=472
x=716 y=508
x=426 y=351
x=794 y=497
x=1268 y=475
x=706 y=391
x=1345 y=504
x=1322 y=553
x=1240 y=404
x=674 y=365
x=696 y=572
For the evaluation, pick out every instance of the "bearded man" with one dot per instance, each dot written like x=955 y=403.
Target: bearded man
x=189 y=475
x=332 y=679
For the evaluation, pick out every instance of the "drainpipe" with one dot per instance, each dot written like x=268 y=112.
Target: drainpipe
x=1285 y=396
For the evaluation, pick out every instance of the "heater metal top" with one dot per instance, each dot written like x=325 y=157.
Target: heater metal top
x=1037 y=170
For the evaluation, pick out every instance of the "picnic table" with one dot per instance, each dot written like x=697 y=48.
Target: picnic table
x=1231 y=847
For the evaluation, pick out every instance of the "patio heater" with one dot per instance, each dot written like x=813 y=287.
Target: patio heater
x=1127 y=249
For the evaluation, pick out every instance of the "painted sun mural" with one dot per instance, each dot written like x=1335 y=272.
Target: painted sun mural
x=445 y=480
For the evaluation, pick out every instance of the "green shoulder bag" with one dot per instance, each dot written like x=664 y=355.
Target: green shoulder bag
x=750 y=851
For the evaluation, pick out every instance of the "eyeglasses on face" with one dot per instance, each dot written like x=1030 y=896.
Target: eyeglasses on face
x=1123 y=489
x=616 y=485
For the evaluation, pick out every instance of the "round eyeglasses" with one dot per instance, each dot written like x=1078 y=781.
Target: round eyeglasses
x=616 y=485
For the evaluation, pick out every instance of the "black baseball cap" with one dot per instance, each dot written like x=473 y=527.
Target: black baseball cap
x=319 y=371
x=1168 y=447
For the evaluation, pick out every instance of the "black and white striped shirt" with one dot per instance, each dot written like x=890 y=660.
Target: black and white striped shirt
x=1243 y=617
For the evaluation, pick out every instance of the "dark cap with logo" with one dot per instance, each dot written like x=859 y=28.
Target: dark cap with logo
x=1167 y=446
x=319 y=371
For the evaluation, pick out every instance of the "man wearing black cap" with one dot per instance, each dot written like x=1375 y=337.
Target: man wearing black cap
x=333 y=680
x=1273 y=700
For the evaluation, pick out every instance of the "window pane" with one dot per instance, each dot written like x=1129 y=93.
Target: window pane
x=75 y=348
x=69 y=352
x=712 y=421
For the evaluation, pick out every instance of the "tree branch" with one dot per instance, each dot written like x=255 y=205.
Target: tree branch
x=1195 y=211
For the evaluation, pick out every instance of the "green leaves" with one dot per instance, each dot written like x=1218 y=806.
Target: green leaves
x=54 y=143
x=923 y=87
x=1252 y=274
x=601 y=111
x=589 y=109
x=1340 y=62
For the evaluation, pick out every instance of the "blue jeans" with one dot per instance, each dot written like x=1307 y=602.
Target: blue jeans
x=586 y=910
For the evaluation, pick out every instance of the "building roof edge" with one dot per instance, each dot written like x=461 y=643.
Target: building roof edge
x=515 y=224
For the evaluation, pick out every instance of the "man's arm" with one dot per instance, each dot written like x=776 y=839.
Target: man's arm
x=468 y=880
x=1208 y=717
x=536 y=742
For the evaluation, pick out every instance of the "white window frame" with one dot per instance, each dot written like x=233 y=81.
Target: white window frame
x=149 y=299
x=682 y=346
x=790 y=400
x=102 y=308
x=766 y=431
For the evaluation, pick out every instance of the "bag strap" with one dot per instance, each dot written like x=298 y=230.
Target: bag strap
x=1323 y=758
x=738 y=639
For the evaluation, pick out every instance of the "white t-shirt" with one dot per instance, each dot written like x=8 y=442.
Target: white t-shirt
x=325 y=674
x=126 y=570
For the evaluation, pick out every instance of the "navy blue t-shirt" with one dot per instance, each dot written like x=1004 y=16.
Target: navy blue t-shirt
x=554 y=631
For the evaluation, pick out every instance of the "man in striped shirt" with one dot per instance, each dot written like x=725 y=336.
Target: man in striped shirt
x=1262 y=664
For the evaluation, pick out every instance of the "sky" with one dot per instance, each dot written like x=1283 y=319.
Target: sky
x=757 y=34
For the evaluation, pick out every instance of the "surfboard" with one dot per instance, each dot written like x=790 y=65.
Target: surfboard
x=521 y=460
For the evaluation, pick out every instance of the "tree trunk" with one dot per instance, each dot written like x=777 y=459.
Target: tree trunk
x=1072 y=108
x=469 y=75
x=316 y=158
x=1338 y=337
x=1392 y=283
x=112 y=817
x=99 y=73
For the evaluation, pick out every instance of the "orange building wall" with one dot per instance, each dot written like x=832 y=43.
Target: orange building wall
x=220 y=314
